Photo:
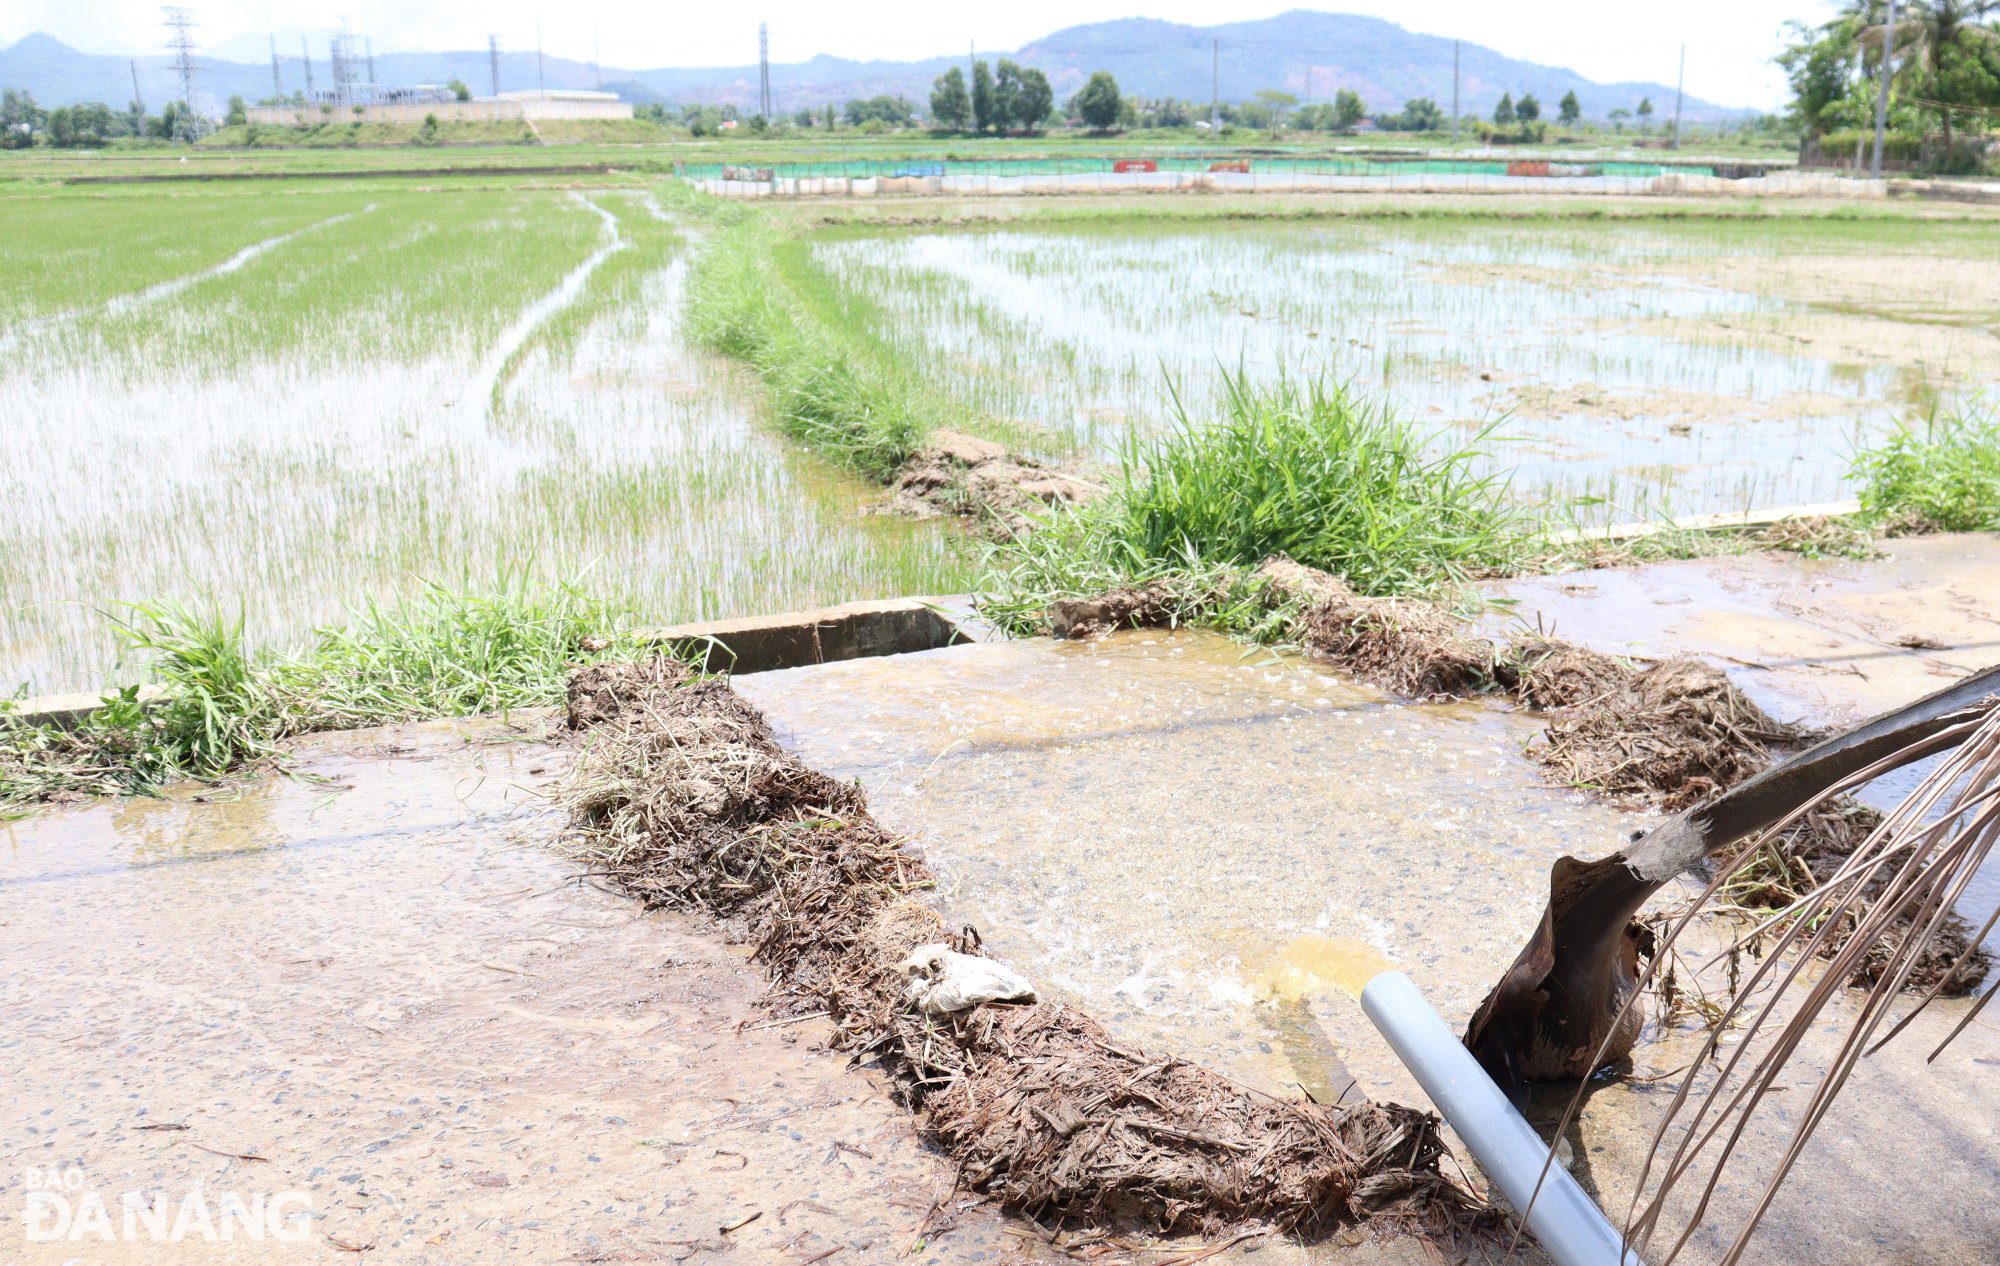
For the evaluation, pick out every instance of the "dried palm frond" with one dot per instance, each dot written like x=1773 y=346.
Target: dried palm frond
x=1874 y=916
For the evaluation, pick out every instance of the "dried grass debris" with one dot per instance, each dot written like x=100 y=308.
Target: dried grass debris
x=681 y=794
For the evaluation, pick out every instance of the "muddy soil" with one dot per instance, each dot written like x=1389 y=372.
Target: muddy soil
x=387 y=993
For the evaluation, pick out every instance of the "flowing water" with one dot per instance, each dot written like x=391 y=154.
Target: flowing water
x=1209 y=850
x=1652 y=367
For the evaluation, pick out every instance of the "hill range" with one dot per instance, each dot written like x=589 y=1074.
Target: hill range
x=1308 y=54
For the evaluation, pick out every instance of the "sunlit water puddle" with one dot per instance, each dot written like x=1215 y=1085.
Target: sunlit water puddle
x=1210 y=849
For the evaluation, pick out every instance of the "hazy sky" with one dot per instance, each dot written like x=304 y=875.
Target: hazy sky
x=1729 y=42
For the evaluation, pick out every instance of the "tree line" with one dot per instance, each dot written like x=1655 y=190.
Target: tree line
x=1944 y=73
x=24 y=123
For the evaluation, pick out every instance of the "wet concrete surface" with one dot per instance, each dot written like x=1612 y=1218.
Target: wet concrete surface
x=1206 y=847
x=386 y=993
x=1828 y=641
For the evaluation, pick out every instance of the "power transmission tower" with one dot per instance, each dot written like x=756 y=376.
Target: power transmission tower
x=493 y=60
x=306 y=60
x=1454 y=92
x=277 y=82
x=138 y=102
x=1678 y=81
x=1882 y=89
x=368 y=42
x=180 y=42
x=764 y=70
x=1214 y=84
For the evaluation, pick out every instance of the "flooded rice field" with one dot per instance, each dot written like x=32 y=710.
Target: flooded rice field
x=1625 y=368
x=323 y=398
x=1208 y=850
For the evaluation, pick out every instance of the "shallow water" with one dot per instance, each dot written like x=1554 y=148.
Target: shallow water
x=1206 y=849
x=390 y=992
x=271 y=436
x=1661 y=367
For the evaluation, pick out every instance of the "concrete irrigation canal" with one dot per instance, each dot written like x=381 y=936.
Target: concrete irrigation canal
x=385 y=989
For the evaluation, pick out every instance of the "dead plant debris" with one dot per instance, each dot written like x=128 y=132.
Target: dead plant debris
x=681 y=793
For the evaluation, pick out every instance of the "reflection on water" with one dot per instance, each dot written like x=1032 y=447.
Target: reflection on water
x=1614 y=360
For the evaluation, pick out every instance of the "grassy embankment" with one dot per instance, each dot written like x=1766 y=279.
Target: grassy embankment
x=452 y=651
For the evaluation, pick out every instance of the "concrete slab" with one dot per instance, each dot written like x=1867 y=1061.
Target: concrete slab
x=388 y=995
x=758 y=644
x=1205 y=844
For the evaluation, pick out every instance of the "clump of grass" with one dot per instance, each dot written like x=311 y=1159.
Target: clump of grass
x=449 y=651
x=1298 y=468
x=1942 y=478
x=755 y=296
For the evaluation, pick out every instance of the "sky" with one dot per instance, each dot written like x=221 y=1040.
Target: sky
x=1729 y=42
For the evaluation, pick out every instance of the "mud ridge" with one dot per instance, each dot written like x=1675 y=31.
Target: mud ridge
x=959 y=475
x=682 y=795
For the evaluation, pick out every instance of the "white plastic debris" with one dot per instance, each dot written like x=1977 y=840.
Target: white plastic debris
x=943 y=981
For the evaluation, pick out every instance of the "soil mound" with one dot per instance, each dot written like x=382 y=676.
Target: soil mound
x=681 y=795
x=1072 y=618
x=1414 y=648
x=974 y=478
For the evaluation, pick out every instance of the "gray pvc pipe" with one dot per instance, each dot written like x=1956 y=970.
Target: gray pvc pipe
x=1565 y=1219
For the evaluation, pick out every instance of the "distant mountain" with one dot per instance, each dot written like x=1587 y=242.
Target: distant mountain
x=1307 y=54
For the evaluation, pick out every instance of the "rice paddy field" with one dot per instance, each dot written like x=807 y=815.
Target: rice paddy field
x=292 y=398
x=1618 y=370
x=292 y=403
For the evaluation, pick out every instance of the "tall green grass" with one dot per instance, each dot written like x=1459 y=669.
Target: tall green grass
x=1942 y=477
x=1295 y=467
x=754 y=295
x=450 y=651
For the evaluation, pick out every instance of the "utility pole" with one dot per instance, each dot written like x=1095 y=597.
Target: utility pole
x=1679 y=80
x=368 y=43
x=1882 y=89
x=764 y=70
x=138 y=102
x=1214 y=85
x=180 y=40
x=493 y=60
x=1454 y=92
x=277 y=84
x=541 y=84
x=306 y=59
x=596 y=57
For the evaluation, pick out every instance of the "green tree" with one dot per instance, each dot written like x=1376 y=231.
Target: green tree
x=1277 y=103
x=1006 y=94
x=459 y=90
x=1098 y=104
x=1348 y=110
x=1645 y=114
x=20 y=118
x=949 y=103
x=1503 y=114
x=1035 y=101
x=1527 y=110
x=238 y=113
x=1420 y=114
x=1569 y=109
x=804 y=118
x=982 y=98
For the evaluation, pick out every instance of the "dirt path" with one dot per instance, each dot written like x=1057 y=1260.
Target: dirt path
x=411 y=1019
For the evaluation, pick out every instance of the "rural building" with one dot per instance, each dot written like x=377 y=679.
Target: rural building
x=413 y=105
